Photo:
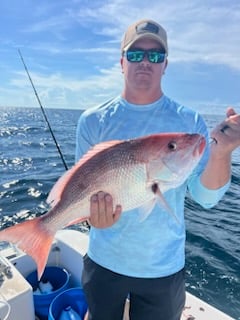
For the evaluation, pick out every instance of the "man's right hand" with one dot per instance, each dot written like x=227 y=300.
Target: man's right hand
x=102 y=213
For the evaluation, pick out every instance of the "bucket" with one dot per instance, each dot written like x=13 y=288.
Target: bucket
x=73 y=298
x=55 y=280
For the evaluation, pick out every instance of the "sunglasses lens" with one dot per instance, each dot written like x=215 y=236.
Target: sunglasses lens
x=135 y=56
x=156 y=57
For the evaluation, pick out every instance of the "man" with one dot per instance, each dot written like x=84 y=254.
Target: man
x=145 y=260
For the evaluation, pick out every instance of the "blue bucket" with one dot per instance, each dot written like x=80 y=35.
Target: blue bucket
x=73 y=298
x=59 y=280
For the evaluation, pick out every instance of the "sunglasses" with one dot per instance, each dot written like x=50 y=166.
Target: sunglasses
x=137 y=55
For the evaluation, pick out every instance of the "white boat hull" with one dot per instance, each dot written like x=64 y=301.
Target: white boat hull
x=67 y=251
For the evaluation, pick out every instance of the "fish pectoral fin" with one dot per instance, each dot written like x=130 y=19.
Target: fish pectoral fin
x=146 y=209
x=163 y=203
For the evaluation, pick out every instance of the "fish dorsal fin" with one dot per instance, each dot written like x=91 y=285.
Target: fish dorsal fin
x=57 y=190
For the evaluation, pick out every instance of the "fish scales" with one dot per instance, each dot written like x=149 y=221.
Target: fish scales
x=114 y=171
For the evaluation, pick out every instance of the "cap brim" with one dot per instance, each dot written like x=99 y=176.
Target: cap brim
x=146 y=35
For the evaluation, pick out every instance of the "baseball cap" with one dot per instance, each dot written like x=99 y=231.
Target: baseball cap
x=144 y=28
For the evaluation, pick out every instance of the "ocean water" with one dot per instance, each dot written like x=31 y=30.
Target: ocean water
x=30 y=165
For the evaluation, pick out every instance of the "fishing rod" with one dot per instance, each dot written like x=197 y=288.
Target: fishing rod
x=43 y=112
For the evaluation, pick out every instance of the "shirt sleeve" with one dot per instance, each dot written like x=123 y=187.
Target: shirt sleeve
x=84 y=136
x=207 y=198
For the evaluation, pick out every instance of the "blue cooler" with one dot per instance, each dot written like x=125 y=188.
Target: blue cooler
x=70 y=304
x=55 y=280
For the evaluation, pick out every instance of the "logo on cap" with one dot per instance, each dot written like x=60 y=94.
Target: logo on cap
x=147 y=27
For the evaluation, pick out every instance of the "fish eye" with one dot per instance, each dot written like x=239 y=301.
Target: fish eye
x=172 y=146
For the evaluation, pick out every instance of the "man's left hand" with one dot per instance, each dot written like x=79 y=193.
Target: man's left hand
x=227 y=134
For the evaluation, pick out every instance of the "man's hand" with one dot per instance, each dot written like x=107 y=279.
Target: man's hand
x=226 y=134
x=227 y=138
x=102 y=213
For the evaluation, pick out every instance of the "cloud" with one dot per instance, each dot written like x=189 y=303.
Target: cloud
x=57 y=90
x=197 y=30
x=66 y=43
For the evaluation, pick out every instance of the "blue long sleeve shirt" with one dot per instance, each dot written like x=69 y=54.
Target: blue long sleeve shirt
x=154 y=247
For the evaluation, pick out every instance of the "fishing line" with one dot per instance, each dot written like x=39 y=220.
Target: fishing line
x=5 y=306
x=43 y=112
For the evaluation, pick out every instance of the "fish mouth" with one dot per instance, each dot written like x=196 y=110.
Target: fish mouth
x=200 y=147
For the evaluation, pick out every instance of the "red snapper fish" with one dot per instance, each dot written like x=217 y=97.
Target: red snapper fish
x=135 y=172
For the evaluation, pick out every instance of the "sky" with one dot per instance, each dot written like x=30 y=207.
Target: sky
x=72 y=51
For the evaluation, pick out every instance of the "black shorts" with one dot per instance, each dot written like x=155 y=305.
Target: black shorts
x=150 y=298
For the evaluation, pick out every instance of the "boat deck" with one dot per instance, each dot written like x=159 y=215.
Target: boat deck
x=67 y=251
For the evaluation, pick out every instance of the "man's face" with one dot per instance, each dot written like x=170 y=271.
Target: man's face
x=143 y=75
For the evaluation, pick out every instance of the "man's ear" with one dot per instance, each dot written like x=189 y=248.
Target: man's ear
x=166 y=64
x=121 y=62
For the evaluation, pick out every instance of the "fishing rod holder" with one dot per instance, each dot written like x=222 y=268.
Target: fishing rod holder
x=5 y=270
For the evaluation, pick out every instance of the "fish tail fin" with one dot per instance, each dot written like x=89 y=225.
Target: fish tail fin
x=33 y=238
